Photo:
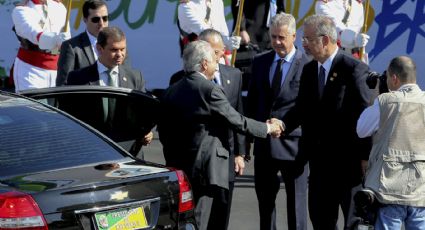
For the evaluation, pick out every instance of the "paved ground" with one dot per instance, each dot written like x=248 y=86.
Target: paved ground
x=244 y=213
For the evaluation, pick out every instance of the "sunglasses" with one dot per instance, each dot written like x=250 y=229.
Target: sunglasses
x=97 y=19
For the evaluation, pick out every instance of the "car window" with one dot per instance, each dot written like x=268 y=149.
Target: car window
x=121 y=117
x=35 y=138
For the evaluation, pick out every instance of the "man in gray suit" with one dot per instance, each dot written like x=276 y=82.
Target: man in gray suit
x=80 y=51
x=272 y=92
x=194 y=129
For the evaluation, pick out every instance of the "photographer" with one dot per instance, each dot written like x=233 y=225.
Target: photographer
x=396 y=167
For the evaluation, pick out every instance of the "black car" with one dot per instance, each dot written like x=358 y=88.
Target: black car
x=57 y=172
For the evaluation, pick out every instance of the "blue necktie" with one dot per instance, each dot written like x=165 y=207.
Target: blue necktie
x=322 y=76
x=277 y=79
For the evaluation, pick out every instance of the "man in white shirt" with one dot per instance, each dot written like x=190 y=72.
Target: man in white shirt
x=38 y=25
x=396 y=166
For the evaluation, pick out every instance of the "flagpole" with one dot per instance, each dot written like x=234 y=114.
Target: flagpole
x=237 y=31
x=362 y=49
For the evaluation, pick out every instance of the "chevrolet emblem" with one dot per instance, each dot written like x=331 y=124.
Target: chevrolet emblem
x=119 y=195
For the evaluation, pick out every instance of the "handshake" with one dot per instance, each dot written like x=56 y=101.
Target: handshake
x=275 y=127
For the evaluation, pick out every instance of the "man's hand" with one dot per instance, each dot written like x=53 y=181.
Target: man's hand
x=245 y=37
x=363 y=166
x=276 y=127
x=147 y=139
x=239 y=165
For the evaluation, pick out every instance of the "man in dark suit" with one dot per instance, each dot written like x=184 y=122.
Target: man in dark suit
x=109 y=71
x=80 y=51
x=254 y=27
x=332 y=95
x=194 y=130
x=272 y=93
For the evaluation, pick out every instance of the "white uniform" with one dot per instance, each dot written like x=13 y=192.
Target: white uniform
x=336 y=9
x=34 y=68
x=349 y=31
x=192 y=17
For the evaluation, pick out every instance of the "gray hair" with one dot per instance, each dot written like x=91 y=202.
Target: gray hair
x=323 y=25
x=404 y=68
x=194 y=53
x=283 y=19
x=210 y=33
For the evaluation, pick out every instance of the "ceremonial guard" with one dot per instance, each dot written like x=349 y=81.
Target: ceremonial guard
x=348 y=16
x=195 y=16
x=38 y=25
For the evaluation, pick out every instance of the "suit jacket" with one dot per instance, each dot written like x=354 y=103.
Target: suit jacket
x=127 y=78
x=255 y=20
x=231 y=82
x=262 y=107
x=76 y=53
x=329 y=123
x=194 y=129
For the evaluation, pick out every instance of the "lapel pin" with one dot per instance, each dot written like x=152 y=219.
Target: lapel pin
x=124 y=79
x=334 y=75
x=228 y=82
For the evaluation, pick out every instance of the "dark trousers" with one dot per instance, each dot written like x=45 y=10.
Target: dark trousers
x=329 y=188
x=267 y=185
x=212 y=211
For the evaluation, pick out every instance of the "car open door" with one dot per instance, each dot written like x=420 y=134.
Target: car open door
x=122 y=114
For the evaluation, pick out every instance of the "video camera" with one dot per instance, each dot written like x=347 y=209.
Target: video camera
x=375 y=78
x=366 y=207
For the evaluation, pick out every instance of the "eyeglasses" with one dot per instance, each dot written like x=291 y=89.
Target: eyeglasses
x=306 y=40
x=97 y=19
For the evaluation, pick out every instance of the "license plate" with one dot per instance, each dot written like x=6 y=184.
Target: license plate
x=122 y=219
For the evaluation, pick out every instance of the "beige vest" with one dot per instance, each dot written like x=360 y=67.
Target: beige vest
x=396 y=171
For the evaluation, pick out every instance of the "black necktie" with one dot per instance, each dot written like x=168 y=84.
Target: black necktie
x=322 y=76
x=277 y=78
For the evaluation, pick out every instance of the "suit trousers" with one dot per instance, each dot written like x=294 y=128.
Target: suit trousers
x=213 y=204
x=328 y=190
x=267 y=185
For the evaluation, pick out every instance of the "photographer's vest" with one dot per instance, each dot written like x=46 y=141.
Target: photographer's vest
x=396 y=170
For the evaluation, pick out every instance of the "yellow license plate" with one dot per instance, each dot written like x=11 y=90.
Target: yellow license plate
x=122 y=219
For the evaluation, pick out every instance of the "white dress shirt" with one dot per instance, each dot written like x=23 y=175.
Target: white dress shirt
x=103 y=75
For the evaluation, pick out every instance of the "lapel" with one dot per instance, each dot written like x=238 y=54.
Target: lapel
x=88 y=51
x=293 y=69
x=93 y=75
x=122 y=78
x=225 y=79
x=267 y=65
x=332 y=79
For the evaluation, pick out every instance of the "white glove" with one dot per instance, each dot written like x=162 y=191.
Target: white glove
x=362 y=40
x=350 y=39
x=232 y=43
x=63 y=37
x=51 y=40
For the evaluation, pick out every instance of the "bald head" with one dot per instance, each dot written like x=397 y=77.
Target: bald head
x=404 y=68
